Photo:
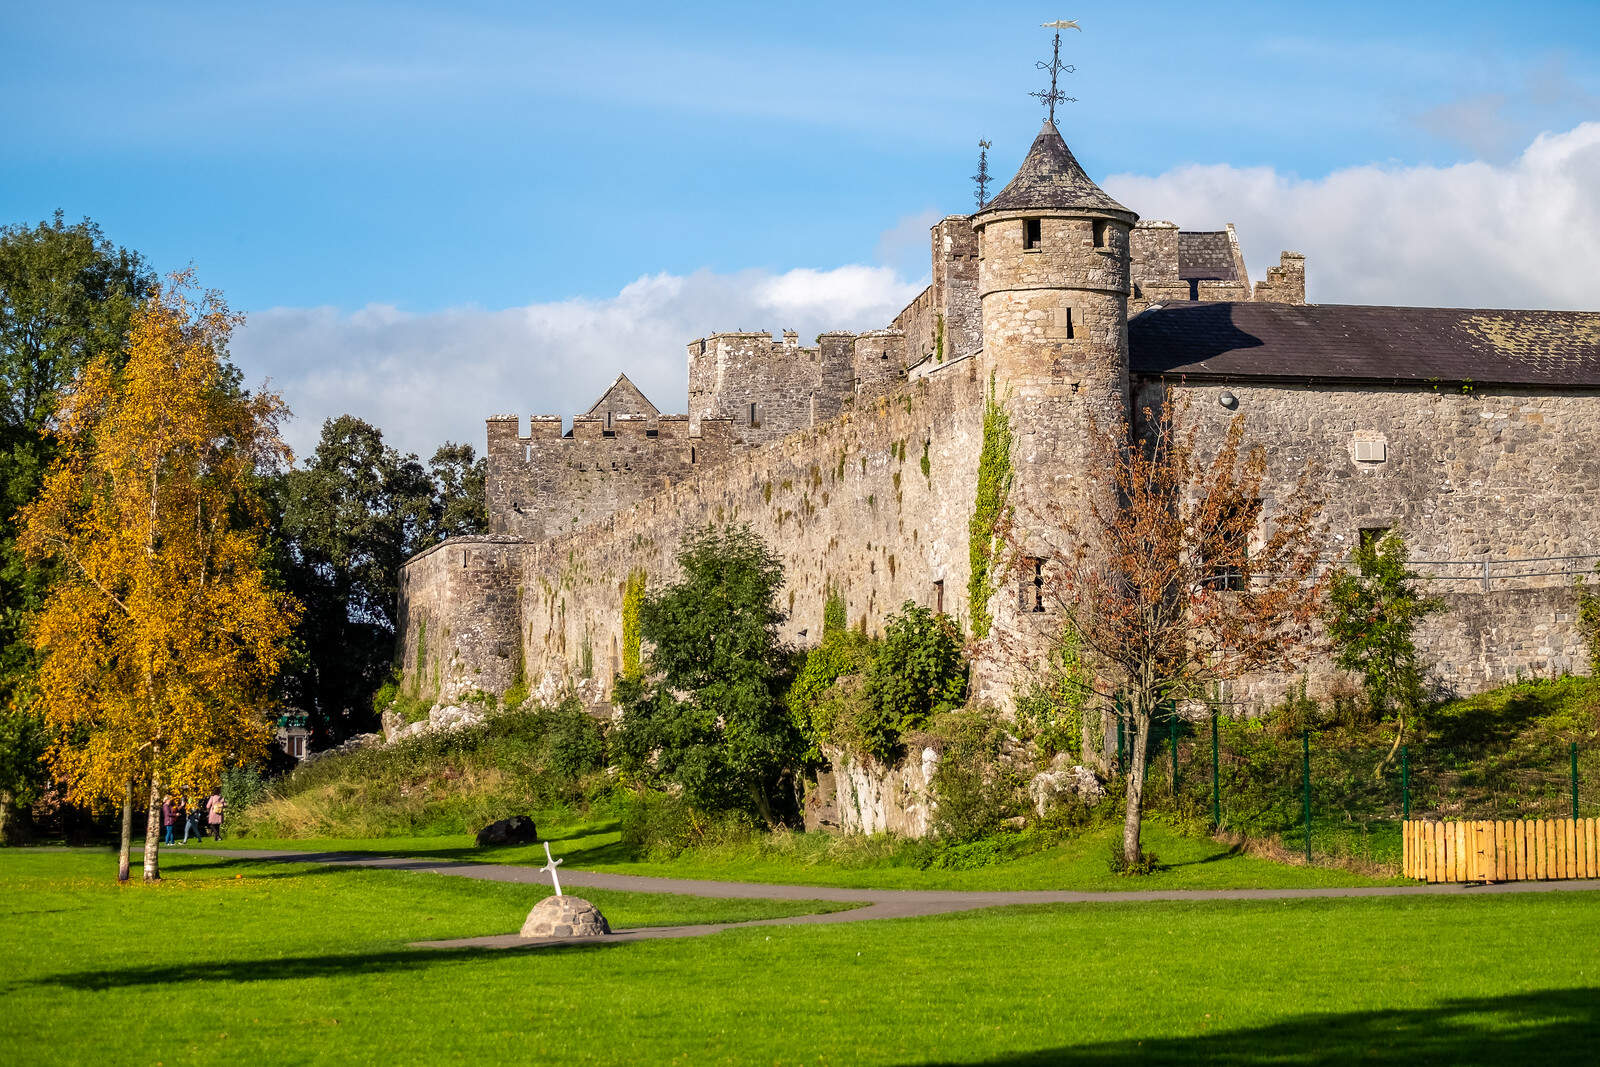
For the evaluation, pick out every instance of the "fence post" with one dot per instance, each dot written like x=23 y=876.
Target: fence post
x=1173 y=711
x=1305 y=756
x=1574 y=751
x=1216 y=795
x=1405 y=783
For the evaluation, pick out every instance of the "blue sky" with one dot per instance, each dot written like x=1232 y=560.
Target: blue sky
x=416 y=163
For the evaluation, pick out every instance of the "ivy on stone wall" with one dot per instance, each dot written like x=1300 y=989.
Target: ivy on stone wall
x=835 y=613
x=994 y=484
x=632 y=600
x=938 y=338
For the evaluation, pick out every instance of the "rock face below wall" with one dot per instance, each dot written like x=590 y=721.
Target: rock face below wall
x=861 y=796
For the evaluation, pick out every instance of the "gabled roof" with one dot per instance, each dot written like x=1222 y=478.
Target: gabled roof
x=622 y=397
x=1359 y=342
x=1050 y=177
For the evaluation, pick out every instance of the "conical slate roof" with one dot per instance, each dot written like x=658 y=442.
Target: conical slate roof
x=1051 y=178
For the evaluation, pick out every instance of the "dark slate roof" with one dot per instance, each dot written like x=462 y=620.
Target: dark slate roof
x=1356 y=342
x=1051 y=178
x=1205 y=255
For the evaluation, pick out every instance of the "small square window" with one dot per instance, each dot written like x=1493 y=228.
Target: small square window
x=1032 y=235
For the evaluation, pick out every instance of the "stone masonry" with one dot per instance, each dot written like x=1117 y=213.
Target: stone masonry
x=855 y=457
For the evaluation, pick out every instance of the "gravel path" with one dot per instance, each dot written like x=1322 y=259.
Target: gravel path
x=878 y=903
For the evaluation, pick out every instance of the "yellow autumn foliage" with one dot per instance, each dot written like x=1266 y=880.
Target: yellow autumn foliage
x=160 y=643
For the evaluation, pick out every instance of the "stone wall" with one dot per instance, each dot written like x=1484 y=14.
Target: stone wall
x=458 y=610
x=544 y=483
x=1465 y=476
x=768 y=389
x=850 y=503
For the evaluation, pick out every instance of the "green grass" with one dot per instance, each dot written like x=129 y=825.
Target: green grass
x=831 y=860
x=307 y=964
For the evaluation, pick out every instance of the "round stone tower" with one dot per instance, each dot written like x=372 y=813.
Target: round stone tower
x=1053 y=281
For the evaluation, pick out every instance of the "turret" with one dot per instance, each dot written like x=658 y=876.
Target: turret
x=1053 y=282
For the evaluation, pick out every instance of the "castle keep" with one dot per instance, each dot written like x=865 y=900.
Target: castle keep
x=1476 y=433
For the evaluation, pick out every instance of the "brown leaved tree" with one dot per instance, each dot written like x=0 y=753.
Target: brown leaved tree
x=1181 y=571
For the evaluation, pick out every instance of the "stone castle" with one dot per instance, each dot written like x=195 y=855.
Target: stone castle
x=1475 y=432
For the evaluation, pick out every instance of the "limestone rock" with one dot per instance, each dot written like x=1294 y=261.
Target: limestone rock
x=516 y=830
x=565 y=917
x=1063 y=779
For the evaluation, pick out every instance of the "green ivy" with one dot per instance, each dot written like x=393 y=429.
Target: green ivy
x=1589 y=620
x=994 y=484
x=938 y=338
x=835 y=612
x=632 y=600
x=927 y=465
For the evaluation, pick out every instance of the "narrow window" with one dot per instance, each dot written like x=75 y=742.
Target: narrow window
x=652 y=433
x=753 y=421
x=1099 y=233
x=1370 y=536
x=691 y=455
x=608 y=420
x=1068 y=317
x=938 y=597
x=1032 y=235
x=1031 y=594
x=1230 y=554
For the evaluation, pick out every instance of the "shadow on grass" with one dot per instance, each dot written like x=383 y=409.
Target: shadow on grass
x=292 y=968
x=1547 y=1026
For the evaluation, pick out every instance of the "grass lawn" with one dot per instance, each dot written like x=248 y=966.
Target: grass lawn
x=295 y=963
x=828 y=860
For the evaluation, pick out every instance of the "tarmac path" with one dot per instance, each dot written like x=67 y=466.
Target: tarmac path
x=876 y=903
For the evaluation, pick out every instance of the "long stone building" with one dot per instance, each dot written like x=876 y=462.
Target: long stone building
x=1475 y=432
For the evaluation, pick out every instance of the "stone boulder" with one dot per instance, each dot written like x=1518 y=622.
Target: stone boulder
x=565 y=917
x=1063 y=779
x=517 y=830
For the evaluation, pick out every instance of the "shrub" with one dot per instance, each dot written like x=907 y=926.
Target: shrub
x=975 y=790
x=1589 y=620
x=661 y=825
x=1050 y=710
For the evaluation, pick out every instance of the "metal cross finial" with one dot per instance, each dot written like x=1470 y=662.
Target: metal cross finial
x=551 y=863
x=1051 y=97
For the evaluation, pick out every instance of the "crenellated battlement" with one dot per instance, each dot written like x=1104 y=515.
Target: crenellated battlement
x=546 y=482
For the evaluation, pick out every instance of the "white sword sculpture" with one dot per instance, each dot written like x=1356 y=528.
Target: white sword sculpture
x=551 y=863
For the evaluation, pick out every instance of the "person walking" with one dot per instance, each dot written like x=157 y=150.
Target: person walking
x=214 y=808
x=166 y=819
x=192 y=825
x=180 y=814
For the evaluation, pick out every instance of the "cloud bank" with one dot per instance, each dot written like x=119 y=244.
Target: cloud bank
x=1522 y=234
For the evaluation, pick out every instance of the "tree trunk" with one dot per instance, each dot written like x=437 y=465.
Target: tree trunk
x=125 y=842
x=10 y=830
x=1394 y=749
x=152 y=832
x=1135 y=814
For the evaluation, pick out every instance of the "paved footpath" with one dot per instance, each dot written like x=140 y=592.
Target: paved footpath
x=877 y=903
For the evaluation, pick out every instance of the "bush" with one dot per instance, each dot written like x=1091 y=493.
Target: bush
x=1050 y=710
x=660 y=825
x=976 y=791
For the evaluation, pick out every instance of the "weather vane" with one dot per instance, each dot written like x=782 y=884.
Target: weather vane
x=982 y=177
x=1052 y=97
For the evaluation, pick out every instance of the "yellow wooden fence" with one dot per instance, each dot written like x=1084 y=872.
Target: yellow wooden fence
x=1501 y=850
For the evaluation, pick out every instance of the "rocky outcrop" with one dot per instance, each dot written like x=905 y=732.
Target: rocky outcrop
x=1061 y=782
x=516 y=830
x=444 y=717
x=860 y=795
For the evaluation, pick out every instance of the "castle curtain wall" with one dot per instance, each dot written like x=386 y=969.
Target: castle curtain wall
x=846 y=503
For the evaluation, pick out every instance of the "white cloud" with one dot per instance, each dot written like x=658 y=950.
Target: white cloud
x=1522 y=235
x=425 y=378
x=1525 y=234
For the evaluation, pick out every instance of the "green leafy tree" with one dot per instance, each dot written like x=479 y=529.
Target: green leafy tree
x=67 y=295
x=813 y=702
x=347 y=520
x=917 y=671
x=1372 y=616
x=707 y=713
